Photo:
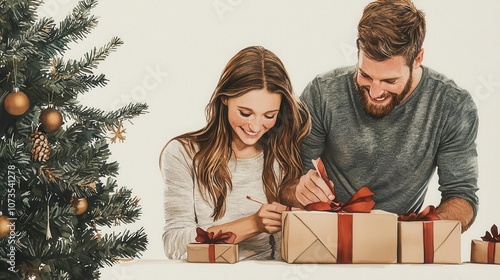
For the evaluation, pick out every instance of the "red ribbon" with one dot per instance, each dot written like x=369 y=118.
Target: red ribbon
x=492 y=238
x=491 y=252
x=428 y=241
x=344 y=242
x=360 y=202
x=211 y=239
x=427 y=216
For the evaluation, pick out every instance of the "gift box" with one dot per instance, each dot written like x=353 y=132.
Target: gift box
x=329 y=237
x=212 y=253
x=429 y=240
x=213 y=248
x=339 y=232
x=486 y=250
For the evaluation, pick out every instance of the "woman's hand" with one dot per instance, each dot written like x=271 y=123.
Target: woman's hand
x=268 y=218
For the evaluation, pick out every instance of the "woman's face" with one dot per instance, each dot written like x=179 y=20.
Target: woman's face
x=251 y=115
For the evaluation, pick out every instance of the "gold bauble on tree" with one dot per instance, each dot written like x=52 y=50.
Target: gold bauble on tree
x=51 y=120
x=4 y=226
x=16 y=103
x=80 y=205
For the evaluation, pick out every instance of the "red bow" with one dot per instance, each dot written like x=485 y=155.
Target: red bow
x=205 y=237
x=428 y=214
x=360 y=202
x=493 y=236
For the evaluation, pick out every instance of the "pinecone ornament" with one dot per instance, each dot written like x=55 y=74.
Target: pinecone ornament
x=40 y=150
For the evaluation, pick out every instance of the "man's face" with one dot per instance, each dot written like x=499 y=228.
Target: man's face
x=382 y=85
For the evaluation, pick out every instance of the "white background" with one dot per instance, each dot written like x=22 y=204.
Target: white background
x=174 y=52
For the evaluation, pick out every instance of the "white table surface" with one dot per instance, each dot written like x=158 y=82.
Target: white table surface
x=178 y=269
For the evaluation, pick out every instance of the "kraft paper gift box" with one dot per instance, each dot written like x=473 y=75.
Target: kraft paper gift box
x=213 y=247
x=222 y=253
x=443 y=243
x=486 y=250
x=424 y=238
x=313 y=237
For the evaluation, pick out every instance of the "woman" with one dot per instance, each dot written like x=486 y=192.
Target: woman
x=249 y=147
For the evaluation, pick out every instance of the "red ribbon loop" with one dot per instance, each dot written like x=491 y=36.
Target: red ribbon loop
x=494 y=236
x=205 y=237
x=428 y=214
x=360 y=202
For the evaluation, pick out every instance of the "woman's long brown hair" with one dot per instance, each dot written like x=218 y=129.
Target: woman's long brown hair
x=252 y=68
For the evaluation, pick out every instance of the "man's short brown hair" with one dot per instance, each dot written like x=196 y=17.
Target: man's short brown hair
x=390 y=28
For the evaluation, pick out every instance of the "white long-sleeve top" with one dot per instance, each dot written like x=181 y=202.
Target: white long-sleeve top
x=185 y=209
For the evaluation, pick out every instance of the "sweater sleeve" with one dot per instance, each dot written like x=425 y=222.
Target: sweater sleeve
x=180 y=221
x=314 y=144
x=457 y=155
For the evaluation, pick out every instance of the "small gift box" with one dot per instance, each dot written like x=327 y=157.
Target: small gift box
x=338 y=232
x=424 y=238
x=213 y=248
x=486 y=250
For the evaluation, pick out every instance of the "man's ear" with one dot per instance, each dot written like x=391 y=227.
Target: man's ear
x=418 y=60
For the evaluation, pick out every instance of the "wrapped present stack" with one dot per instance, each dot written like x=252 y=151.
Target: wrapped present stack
x=351 y=232
x=487 y=250
x=424 y=238
x=213 y=248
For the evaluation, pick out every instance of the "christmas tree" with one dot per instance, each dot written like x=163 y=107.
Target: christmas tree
x=58 y=189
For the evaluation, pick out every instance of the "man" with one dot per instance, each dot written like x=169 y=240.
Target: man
x=389 y=121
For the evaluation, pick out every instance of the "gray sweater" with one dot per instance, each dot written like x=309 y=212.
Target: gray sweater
x=436 y=126
x=185 y=209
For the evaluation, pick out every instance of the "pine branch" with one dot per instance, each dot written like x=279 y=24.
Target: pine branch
x=12 y=152
x=65 y=71
x=62 y=221
x=79 y=164
x=92 y=117
x=29 y=41
x=13 y=161
x=77 y=25
x=120 y=207
x=123 y=245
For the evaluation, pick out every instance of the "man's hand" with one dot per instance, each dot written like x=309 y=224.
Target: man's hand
x=312 y=188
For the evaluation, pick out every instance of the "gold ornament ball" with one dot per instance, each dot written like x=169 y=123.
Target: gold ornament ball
x=4 y=226
x=16 y=103
x=51 y=120
x=80 y=205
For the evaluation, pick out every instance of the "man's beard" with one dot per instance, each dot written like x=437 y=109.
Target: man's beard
x=380 y=111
